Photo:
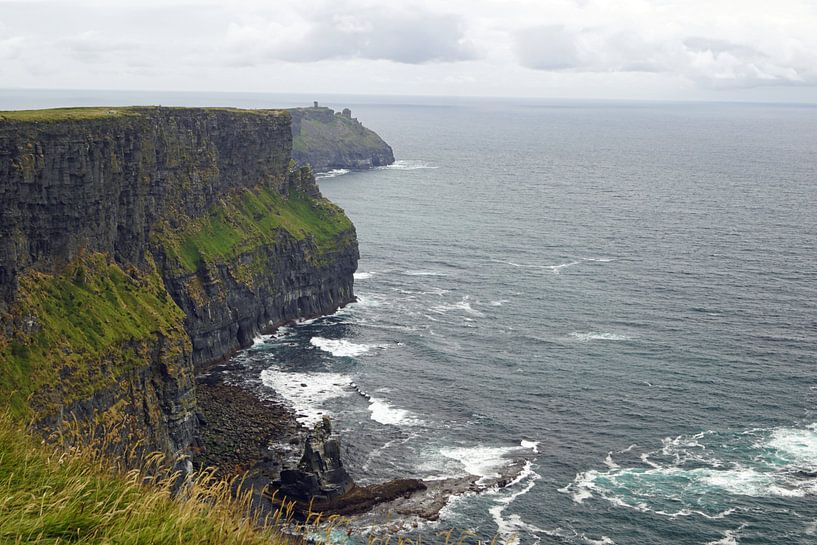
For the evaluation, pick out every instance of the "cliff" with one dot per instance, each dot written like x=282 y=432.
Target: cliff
x=328 y=140
x=139 y=244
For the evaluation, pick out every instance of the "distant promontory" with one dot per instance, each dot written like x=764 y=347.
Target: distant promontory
x=328 y=140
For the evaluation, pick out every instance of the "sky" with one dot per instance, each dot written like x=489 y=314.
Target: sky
x=741 y=50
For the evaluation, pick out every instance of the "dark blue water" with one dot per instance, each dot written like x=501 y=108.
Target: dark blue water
x=627 y=289
x=631 y=286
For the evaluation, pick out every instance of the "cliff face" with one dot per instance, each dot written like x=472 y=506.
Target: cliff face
x=327 y=140
x=137 y=242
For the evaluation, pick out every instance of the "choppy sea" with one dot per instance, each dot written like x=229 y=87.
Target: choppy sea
x=625 y=291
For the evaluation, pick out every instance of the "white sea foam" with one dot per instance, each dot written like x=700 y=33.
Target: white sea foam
x=406 y=164
x=730 y=537
x=599 y=336
x=334 y=173
x=384 y=413
x=362 y=275
x=582 y=486
x=532 y=445
x=557 y=269
x=609 y=461
x=498 y=302
x=482 y=462
x=463 y=305
x=797 y=446
x=509 y=527
x=603 y=540
x=260 y=340
x=340 y=347
x=307 y=321
x=306 y=392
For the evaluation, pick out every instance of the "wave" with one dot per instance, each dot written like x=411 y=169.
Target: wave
x=306 y=392
x=705 y=474
x=510 y=527
x=341 y=348
x=334 y=173
x=383 y=412
x=487 y=462
x=260 y=340
x=367 y=301
x=556 y=269
x=463 y=305
x=362 y=275
x=532 y=445
x=730 y=537
x=596 y=336
x=407 y=164
x=482 y=462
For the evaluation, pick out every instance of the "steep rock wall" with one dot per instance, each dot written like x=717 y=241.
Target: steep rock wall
x=137 y=241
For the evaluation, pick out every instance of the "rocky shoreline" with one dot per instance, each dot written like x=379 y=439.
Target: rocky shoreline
x=242 y=432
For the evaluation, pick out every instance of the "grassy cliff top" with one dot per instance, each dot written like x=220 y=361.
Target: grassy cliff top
x=107 y=112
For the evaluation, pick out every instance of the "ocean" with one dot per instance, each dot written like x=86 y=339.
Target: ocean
x=625 y=293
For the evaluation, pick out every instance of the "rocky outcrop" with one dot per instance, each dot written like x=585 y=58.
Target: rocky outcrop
x=320 y=474
x=328 y=140
x=139 y=243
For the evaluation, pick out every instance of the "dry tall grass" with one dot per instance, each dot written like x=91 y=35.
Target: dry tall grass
x=60 y=494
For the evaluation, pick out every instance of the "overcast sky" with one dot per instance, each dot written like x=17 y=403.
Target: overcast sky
x=635 y=49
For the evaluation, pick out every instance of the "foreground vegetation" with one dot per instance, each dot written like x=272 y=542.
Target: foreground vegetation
x=54 y=495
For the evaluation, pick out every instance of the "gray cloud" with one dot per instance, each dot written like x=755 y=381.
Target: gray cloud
x=377 y=33
x=93 y=46
x=550 y=47
x=709 y=62
x=655 y=48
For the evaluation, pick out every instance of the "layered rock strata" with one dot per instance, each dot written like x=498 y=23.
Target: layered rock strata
x=137 y=244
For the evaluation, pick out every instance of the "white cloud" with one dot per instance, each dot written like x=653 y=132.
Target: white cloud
x=411 y=36
x=668 y=48
x=712 y=45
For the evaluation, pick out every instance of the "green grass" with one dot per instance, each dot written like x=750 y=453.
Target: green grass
x=252 y=217
x=338 y=134
x=52 y=495
x=67 y=324
x=106 y=112
x=66 y=114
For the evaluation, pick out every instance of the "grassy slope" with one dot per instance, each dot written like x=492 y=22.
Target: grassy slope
x=57 y=497
x=339 y=134
x=243 y=221
x=76 y=319
x=84 y=114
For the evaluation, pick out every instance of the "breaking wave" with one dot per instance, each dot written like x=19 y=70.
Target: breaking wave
x=704 y=474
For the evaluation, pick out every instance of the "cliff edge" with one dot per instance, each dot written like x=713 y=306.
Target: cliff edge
x=328 y=140
x=138 y=245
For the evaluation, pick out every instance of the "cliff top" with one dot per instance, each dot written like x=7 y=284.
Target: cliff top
x=105 y=112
